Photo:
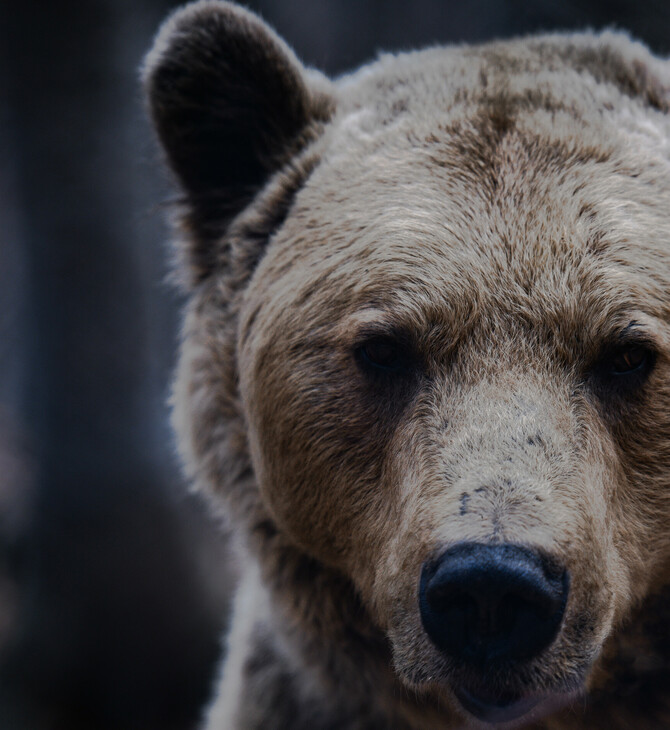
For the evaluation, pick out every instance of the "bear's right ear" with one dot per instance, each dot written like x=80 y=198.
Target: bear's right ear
x=231 y=103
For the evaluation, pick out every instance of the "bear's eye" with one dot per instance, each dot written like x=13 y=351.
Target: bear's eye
x=630 y=360
x=624 y=368
x=384 y=354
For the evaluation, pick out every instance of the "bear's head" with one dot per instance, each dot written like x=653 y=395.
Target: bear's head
x=427 y=349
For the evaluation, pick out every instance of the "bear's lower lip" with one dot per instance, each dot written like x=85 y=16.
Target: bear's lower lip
x=495 y=708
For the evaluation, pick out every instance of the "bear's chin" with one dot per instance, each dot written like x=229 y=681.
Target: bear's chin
x=496 y=708
x=508 y=710
x=507 y=700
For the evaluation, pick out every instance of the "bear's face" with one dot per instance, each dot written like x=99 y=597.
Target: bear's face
x=430 y=356
x=449 y=354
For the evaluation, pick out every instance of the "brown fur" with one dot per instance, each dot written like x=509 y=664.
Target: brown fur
x=503 y=211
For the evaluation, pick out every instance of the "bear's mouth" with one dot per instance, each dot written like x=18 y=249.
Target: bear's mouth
x=496 y=708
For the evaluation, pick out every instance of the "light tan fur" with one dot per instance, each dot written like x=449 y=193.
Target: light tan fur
x=507 y=208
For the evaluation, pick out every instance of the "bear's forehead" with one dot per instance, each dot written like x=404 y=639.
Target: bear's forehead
x=462 y=212
x=496 y=178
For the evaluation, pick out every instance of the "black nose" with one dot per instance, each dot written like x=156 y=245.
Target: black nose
x=498 y=604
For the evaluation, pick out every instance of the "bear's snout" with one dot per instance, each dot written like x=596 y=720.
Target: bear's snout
x=491 y=605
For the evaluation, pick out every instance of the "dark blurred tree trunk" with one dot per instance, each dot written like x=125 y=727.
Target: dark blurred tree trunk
x=70 y=99
x=118 y=628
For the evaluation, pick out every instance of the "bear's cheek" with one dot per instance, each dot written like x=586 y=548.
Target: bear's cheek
x=320 y=449
x=641 y=502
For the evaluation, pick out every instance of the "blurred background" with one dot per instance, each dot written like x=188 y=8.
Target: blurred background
x=114 y=583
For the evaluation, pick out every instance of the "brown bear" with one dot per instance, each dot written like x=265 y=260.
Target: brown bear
x=425 y=371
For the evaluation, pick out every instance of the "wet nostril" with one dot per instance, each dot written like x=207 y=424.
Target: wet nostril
x=500 y=603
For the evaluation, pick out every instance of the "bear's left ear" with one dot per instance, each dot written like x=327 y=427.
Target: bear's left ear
x=231 y=103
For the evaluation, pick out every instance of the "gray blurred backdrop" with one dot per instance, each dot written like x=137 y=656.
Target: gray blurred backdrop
x=113 y=582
